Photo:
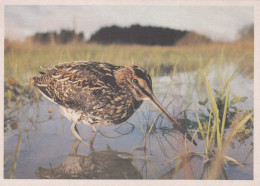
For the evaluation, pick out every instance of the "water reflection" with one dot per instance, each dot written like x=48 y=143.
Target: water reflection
x=97 y=165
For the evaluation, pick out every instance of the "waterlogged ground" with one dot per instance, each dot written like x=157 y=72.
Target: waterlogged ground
x=38 y=142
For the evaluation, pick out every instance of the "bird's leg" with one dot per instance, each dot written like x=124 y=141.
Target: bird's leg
x=75 y=131
x=94 y=128
x=92 y=139
x=75 y=146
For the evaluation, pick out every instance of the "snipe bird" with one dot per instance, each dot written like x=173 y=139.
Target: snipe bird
x=96 y=93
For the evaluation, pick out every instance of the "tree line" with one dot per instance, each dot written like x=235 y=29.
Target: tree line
x=136 y=34
x=64 y=37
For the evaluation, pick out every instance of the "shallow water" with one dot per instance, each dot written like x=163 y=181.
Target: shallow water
x=41 y=145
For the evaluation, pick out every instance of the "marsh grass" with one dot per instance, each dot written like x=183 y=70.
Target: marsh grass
x=215 y=157
x=22 y=61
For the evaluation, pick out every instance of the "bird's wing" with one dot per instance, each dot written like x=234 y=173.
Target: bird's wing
x=73 y=84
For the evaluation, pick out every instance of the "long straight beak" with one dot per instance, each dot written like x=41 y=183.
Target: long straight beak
x=173 y=121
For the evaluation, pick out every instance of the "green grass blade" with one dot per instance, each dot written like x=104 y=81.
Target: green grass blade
x=152 y=169
x=154 y=121
x=215 y=113
x=174 y=158
x=219 y=144
x=225 y=111
x=202 y=132
x=234 y=161
x=200 y=127
x=17 y=150
x=6 y=160
x=238 y=126
x=140 y=123
x=185 y=144
x=207 y=140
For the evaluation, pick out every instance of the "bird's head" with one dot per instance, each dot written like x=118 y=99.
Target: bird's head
x=139 y=82
x=136 y=80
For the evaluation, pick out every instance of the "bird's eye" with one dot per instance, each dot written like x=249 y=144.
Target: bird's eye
x=135 y=81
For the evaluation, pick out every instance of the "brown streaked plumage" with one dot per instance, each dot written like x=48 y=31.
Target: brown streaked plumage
x=99 y=93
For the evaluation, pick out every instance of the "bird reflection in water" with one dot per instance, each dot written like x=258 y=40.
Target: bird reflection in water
x=106 y=164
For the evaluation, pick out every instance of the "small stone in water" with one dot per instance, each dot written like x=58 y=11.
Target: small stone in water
x=50 y=110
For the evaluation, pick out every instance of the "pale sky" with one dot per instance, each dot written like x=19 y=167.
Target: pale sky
x=217 y=22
